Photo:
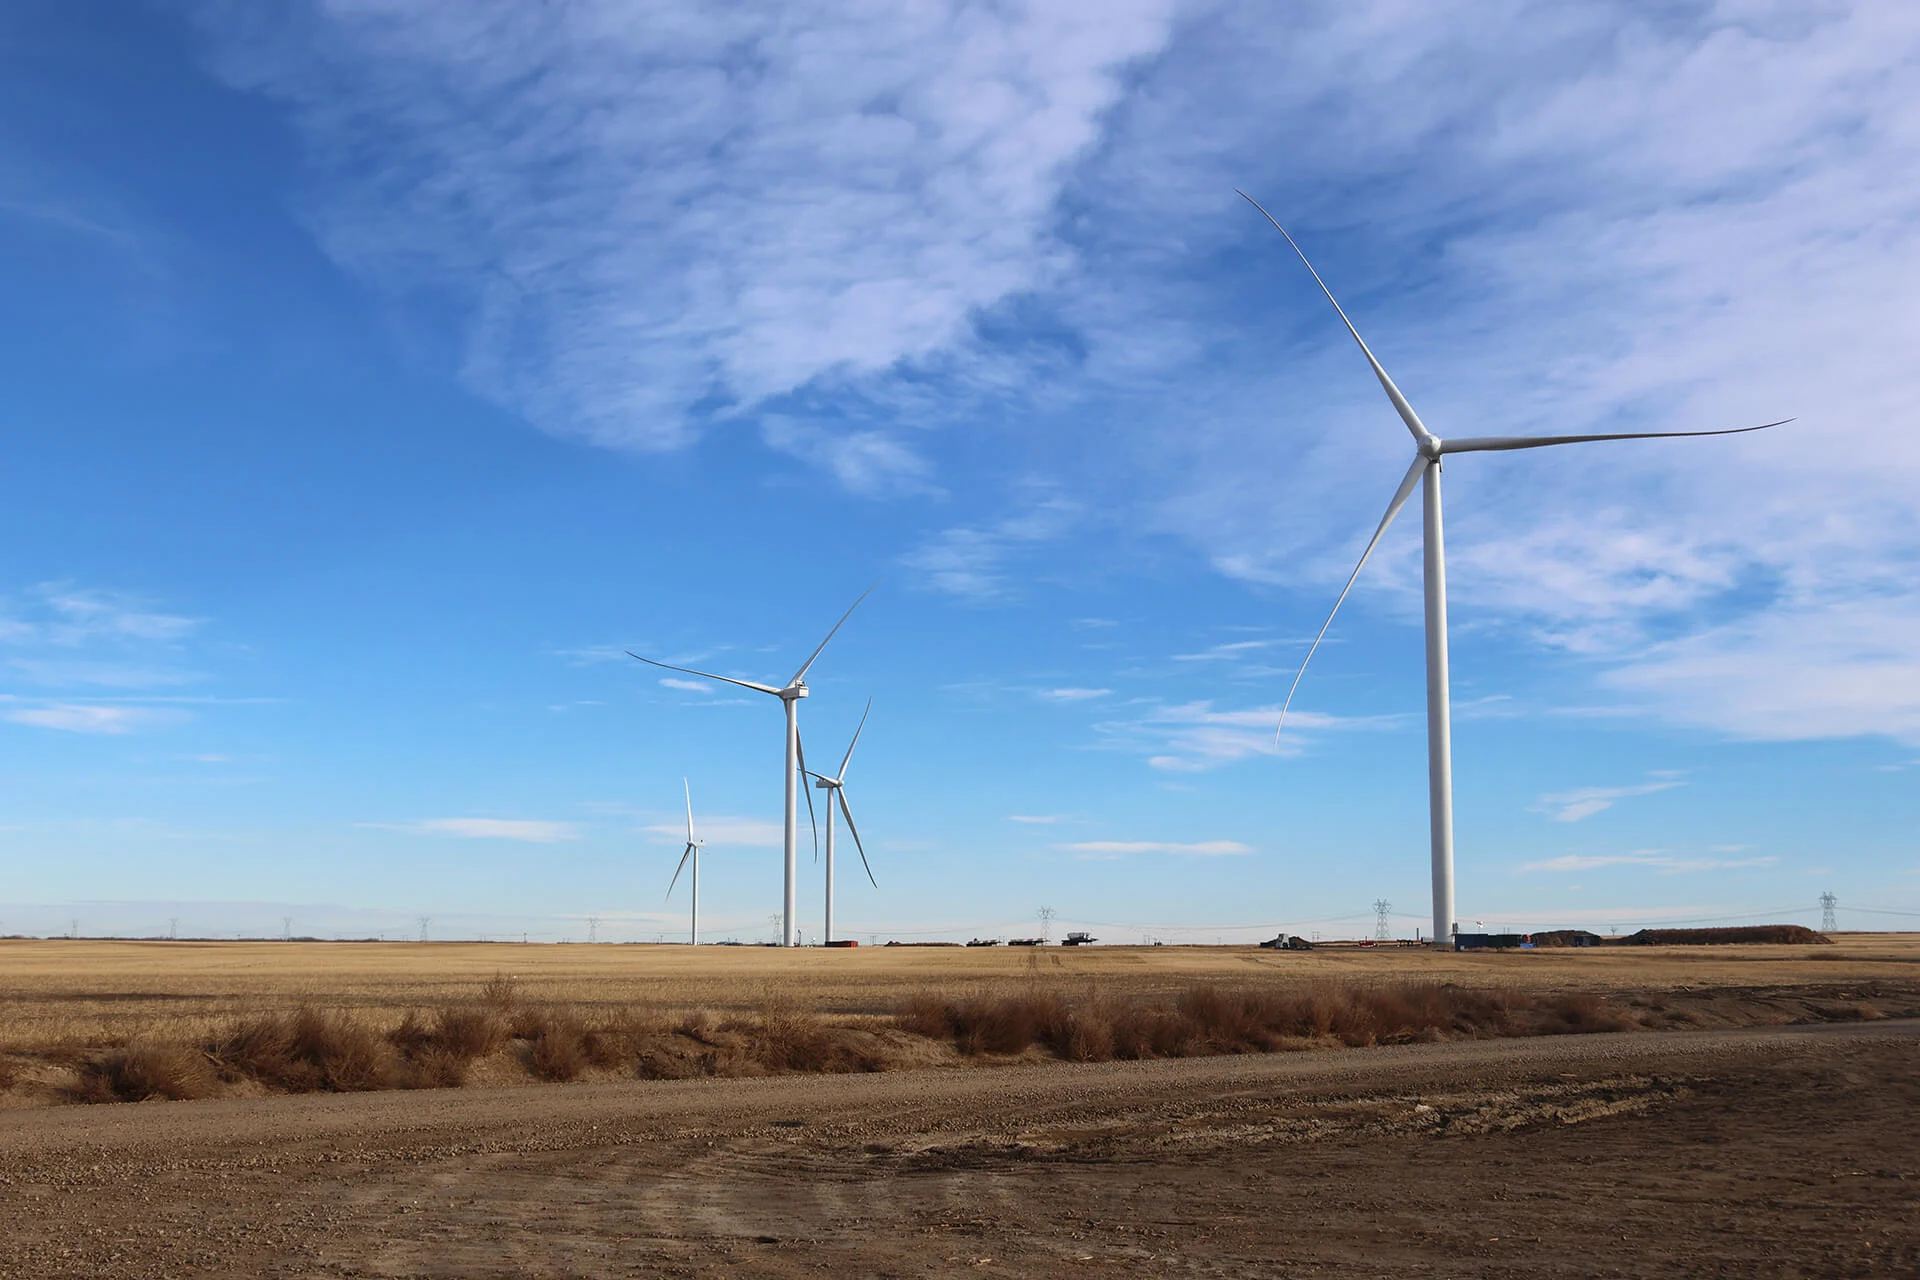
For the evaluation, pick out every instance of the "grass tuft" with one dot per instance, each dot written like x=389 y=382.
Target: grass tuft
x=138 y=1072
x=1206 y=1019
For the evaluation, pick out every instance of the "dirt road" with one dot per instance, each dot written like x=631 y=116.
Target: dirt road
x=1759 y=1153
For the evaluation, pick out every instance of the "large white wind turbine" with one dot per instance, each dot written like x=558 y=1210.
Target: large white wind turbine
x=1429 y=449
x=789 y=695
x=835 y=787
x=693 y=851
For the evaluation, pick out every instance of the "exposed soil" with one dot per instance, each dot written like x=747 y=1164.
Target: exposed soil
x=1715 y=1153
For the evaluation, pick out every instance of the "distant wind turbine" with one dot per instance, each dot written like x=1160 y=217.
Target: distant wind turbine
x=1426 y=471
x=693 y=852
x=789 y=695
x=835 y=787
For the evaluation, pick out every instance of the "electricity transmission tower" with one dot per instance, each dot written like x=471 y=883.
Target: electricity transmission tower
x=1046 y=915
x=1827 y=903
x=1380 y=908
x=593 y=928
x=424 y=922
x=286 y=928
x=173 y=927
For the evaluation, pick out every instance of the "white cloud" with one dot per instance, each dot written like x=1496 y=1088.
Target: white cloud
x=1237 y=649
x=91 y=717
x=527 y=830
x=868 y=461
x=67 y=616
x=642 y=209
x=745 y=832
x=1121 y=848
x=690 y=686
x=1073 y=694
x=1193 y=737
x=971 y=561
x=1663 y=863
x=1552 y=218
x=1584 y=802
x=1036 y=818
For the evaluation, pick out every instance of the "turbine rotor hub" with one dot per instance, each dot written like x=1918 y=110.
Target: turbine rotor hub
x=1430 y=448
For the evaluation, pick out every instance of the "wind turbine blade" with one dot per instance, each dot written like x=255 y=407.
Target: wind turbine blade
x=823 y=644
x=1407 y=415
x=847 y=813
x=1400 y=495
x=1488 y=444
x=855 y=742
x=800 y=750
x=682 y=867
x=744 y=684
x=689 y=787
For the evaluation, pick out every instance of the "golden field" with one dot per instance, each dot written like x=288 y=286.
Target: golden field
x=92 y=992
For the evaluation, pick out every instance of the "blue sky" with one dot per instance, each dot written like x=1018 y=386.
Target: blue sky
x=374 y=372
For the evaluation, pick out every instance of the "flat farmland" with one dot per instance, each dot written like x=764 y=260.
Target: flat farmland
x=86 y=991
x=1711 y=1139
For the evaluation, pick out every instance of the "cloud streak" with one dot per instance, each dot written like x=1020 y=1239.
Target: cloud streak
x=1125 y=848
x=522 y=830
x=1660 y=862
x=1583 y=802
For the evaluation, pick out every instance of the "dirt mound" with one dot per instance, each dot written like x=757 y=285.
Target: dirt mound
x=1566 y=938
x=1778 y=934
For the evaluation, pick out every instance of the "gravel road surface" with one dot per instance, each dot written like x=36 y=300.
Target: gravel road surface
x=1778 y=1152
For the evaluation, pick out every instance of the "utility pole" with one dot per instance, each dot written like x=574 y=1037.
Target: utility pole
x=1046 y=923
x=1827 y=903
x=1380 y=909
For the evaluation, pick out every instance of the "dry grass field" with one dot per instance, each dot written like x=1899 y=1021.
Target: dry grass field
x=1465 y=1139
x=103 y=1020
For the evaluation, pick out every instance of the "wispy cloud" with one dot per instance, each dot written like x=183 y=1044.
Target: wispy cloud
x=1661 y=862
x=752 y=833
x=525 y=830
x=1193 y=737
x=72 y=641
x=1073 y=694
x=1584 y=802
x=1124 y=848
x=64 y=616
x=1038 y=819
x=972 y=561
x=883 y=174
x=1220 y=652
x=91 y=717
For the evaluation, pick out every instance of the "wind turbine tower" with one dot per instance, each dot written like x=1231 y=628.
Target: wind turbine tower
x=1429 y=449
x=835 y=787
x=789 y=694
x=693 y=852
